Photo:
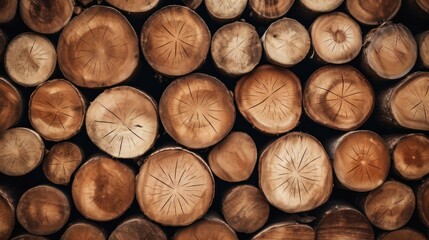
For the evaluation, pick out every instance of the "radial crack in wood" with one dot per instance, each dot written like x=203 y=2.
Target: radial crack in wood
x=11 y=104
x=373 y=12
x=213 y=229
x=83 y=231
x=286 y=231
x=225 y=10
x=137 y=228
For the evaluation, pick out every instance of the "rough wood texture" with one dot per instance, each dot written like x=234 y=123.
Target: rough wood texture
x=225 y=10
x=83 y=231
x=401 y=234
x=286 y=231
x=423 y=203
x=29 y=237
x=103 y=188
x=137 y=228
x=98 y=48
x=123 y=122
x=8 y=10
x=295 y=173
x=192 y=4
x=7 y=212
x=175 y=40
x=11 y=104
x=267 y=10
x=3 y=43
x=321 y=6
x=423 y=46
x=209 y=228
x=270 y=99
x=197 y=110
x=373 y=12
x=134 y=6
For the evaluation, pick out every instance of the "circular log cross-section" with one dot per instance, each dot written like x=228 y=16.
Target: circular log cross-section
x=30 y=59
x=103 y=189
x=21 y=151
x=245 y=208
x=423 y=203
x=390 y=206
x=423 y=46
x=286 y=42
x=295 y=173
x=8 y=10
x=83 y=231
x=61 y=162
x=57 y=110
x=286 y=231
x=404 y=233
x=236 y=48
x=336 y=38
x=175 y=187
x=98 y=48
x=213 y=229
x=137 y=228
x=134 y=6
x=224 y=10
x=43 y=210
x=175 y=40
x=321 y=6
x=10 y=104
x=29 y=237
x=373 y=12
x=338 y=97
x=123 y=122
x=270 y=99
x=197 y=110
x=7 y=213
x=234 y=159
x=268 y=10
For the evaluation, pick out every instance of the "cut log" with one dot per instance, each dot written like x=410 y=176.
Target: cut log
x=21 y=149
x=175 y=187
x=410 y=155
x=236 y=48
x=423 y=203
x=338 y=97
x=336 y=38
x=134 y=6
x=401 y=234
x=61 y=162
x=406 y=103
x=8 y=10
x=267 y=10
x=423 y=45
x=234 y=159
x=83 y=231
x=29 y=237
x=361 y=160
x=286 y=42
x=137 y=228
x=295 y=173
x=103 y=188
x=175 y=40
x=389 y=51
x=3 y=43
x=30 y=59
x=286 y=231
x=123 y=122
x=321 y=6
x=245 y=208
x=225 y=10
x=373 y=12
x=197 y=110
x=11 y=105
x=98 y=48
x=270 y=99
x=192 y=4
x=7 y=210
x=209 y=228
x=43 y=210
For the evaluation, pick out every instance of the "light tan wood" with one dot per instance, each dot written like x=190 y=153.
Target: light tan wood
x=373 y=12
x=321 y=6
x=103 y=188
x=286 y=42
x=137 y=228
x=8 y=10
x=61 y=162
x=423 y=203
x=270 y=99
x=30 y=59
x=21 y=151
x=234 y=159
x=29 y=237
x=213 y=229
x=83 y=231
x=11 y=105
x=134 y=6
x=3 y=43
x=7 y=213
x=267 y=10
x=98 y=48
x=295 y=173
x=423 y=46
x=225 y=10
x=123 y=122
x=286 y=231
x=192 y=4
x=404 y=233
x=338 y=97
x=336 y=37
x=236 y=48
x=361 y=160
x=175 y=40
x=43 y=210
x=389 y=51
x=175 y=187
x=197 y=110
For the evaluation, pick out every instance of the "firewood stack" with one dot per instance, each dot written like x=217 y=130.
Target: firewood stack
x=214 y=119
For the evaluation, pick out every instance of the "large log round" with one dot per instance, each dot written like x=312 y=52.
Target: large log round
x=137 y=228
x=83 y=231
x=373 y=12
x=11 y=104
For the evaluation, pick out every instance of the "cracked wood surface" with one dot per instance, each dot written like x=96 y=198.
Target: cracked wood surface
x=207 y=229
x=137 y=228
x=224 y=10
x=11 y=104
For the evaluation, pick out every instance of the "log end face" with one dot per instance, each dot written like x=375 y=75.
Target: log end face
x=137 y=228
x=411 y=157
x=286 y=230
x=10 y=104
x=7 y=216
x=207 y=229
x=83 y=231
x=373 y=12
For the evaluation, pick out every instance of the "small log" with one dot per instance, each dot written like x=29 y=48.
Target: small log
x=98 y=48
x=11 y=106
x=268 y=10
x=225 y=10
x=175 y=40
x=30 y=59
x=236 y=48
x=423 y=203
x=389 y=51
x=361 y=160
x=137 y=228
x=321 y=6
x=373 y=12
x=43 y=210
x=270 y=99
x=29 y=237
x=8 y=10
x=103 y=188
x=192 y=4
x=286 y=231
x=83 y=231
x=197 y=110
x=3 y=43
x=423 y=45
x=336 y=38
x=234 y=159
x=338 y=97
x=7 y=210
x=286 y=42
x=135 y=6
x=295 y=173
x=209 y=228
x=405 y=103
x=123 y=122
x=21 y=149
x=61 y=162
x=175 y=187
x=404 y=233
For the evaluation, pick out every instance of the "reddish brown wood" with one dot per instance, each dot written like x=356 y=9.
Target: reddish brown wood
x=209 y=228
x=11 y=104
x=8 y=10
x=423 y=202
x=7 y=212
x=83 y=231
x=287 y=230
x=137 y=228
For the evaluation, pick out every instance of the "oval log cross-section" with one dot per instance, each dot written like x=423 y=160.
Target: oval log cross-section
x=423 y=203
x=7 y=213
x=373 y=12
x=213 y=229
x=11 y=104
x=134 y=6
x=286 y=231
x=137 y=228
x=423 y=46
x=83 y=231
x=8 y=10
x=267 y=10
x=225 y=10
x=321 y=6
